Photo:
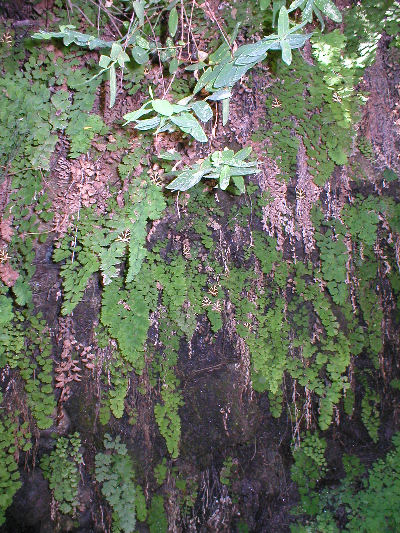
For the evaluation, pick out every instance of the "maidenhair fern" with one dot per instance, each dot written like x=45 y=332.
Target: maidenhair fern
x=62 y=470
x=114 y=470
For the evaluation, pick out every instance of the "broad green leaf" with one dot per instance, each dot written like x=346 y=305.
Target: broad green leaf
x=224 y=177
x=219 y=95
x=283 y=22
x=243 y=171
x=116 y=51
x=140 y=55
x=163 y=107
x=222 y=53
x=113 y=85
x=173 y=66
x=196 y=66
x=264 y=4
x=239 y=182
x=243 y=153
x=308 y=11
x=251 y=53
x=170 y=156
x=208 y=76
x=173 y=22
x=320 y=18
x=286 y=52
x=227 y=155
x=276 y=6
x=104 y=61
x=294 y=5
x=329 y=9
x=142 y=42
x=186 y=180
x=179 y=108
x=138 y=7
x=188 y=124
x=6 y=313
x=147 y=124
x=134 y=115
x=225 y=111
x=297 y=40
x=230 y=74
x=202 y=110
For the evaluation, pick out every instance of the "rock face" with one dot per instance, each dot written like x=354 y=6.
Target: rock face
x=232 y=472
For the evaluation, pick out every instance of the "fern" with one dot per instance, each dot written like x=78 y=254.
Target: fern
x=61 y=469
x=12 y=439
x=114 y=470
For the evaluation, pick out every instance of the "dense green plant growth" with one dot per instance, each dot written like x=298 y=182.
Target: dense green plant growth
x=13 y=438
x=170 y=267
x=114 y=470
x=61 y=468
x=368 y=501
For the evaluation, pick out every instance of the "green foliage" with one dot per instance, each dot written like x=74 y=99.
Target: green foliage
x=114 y=470
x=13 y=438
x=227 y=471
x=370 y=410
x=61 y=468
x=25 y=345
x=166 y=413
x=309 y=7
x=102 y=247
x=157 y=519
x=359 y=503
x=334 y=258
x=220 y=166
x=308 y=468
x=167 y=117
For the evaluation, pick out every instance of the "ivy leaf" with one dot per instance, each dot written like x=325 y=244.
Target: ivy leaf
x=188 y=124
x=264 y=4
x=186 y=180
x=173 y=22
x=163 y=107
x=113 y=85
x=243 y=153
x=202 y=110
x=276 y=6
x=294 y=5
x=297 y=40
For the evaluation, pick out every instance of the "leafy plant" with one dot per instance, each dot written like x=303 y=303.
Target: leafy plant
x=168 y=117
x=309 y=7
x=114 y=470
x=12 y=439
x=61 y=469
x=220 y=166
